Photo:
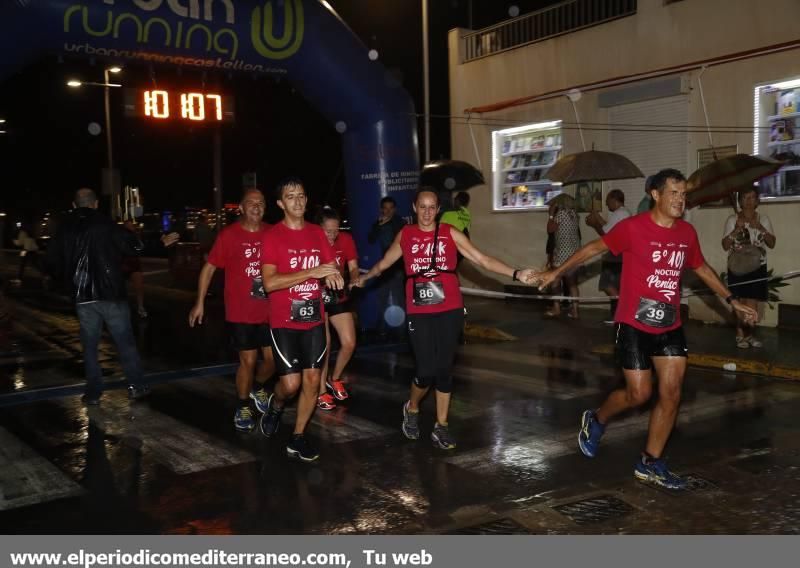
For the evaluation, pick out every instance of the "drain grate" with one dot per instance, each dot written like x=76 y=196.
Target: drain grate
x=498 y=527
x=697 y=484
x=595 y=510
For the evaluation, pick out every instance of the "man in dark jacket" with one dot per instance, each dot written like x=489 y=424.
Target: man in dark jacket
x=86 y=257
x=391 y=285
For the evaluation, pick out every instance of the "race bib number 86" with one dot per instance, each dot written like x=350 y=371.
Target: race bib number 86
x=428 y=293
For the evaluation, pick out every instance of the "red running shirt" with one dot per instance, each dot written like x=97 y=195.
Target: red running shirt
x=417 y=246
x=344 y=247
x=293 y=250
x=653 y=259
x=238 y=253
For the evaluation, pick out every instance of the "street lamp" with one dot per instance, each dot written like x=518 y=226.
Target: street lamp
x=107 y=85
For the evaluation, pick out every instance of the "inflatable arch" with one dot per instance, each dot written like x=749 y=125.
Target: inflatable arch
x=302 y=40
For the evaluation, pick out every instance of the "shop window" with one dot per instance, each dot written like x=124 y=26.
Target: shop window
x=776 y=130
x=521 y=157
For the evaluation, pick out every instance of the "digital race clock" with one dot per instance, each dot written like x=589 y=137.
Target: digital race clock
x=162 y=105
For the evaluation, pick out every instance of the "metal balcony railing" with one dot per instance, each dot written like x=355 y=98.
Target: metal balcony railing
x=556 y=20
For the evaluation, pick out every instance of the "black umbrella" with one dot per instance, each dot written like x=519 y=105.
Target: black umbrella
x=450 y=175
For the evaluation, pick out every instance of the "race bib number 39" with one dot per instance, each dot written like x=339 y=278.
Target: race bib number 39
x=655 y=314
x=428 y=293
x=306 y=311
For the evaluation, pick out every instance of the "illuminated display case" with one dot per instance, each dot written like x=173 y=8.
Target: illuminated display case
x=521 y=157
x=776 y=108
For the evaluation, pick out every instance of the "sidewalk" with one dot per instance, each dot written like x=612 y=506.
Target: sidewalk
x=710 y=346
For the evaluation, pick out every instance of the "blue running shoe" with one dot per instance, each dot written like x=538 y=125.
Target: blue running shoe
x=243 y=419
x=261 y=400
x=271 y=420
x=590 y=434
x=652 y=470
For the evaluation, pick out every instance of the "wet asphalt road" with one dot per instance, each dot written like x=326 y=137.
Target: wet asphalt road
x=173 y=463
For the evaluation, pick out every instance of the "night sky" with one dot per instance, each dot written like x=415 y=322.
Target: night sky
x=49 y=152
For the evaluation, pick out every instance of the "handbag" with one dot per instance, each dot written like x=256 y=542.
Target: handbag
x=745 y=257
x=744 y=260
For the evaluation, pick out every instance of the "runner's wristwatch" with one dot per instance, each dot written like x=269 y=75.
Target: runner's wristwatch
x=731 y=298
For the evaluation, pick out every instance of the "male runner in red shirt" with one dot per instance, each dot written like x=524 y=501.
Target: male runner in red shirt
x=296 y=256
x=656 y=247
x=237 y=251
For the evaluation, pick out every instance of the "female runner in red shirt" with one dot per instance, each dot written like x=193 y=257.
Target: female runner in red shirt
x=434 y=305
x=338 y=311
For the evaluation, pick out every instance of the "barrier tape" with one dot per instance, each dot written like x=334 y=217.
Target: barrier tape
x=605 y=299
x=601 y=299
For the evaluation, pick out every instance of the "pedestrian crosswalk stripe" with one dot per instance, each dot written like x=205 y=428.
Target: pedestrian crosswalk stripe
x=180 y=447
x=532 y=383
x=27 y=478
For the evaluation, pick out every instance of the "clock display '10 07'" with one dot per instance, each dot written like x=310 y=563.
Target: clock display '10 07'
x=184 y=106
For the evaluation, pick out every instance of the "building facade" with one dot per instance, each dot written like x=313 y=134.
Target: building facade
x=630 y=73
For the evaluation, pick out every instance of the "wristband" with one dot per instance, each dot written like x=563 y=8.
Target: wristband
x=731 y=298
x=514 y=276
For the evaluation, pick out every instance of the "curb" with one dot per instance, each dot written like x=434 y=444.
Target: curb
x=709 y=361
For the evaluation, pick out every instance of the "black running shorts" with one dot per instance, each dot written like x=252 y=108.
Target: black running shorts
x=434 y=339
x=298 y=349
x=339 y=308
x=249 y=336
x=635 y=348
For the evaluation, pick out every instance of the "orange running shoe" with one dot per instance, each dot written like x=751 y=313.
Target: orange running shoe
x=338 y=390
x=325 y=402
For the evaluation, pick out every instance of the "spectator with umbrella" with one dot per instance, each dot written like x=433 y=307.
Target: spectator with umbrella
x=747 y=237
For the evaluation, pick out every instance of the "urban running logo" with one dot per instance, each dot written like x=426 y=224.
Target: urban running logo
x=193 y=29
x=262 y=32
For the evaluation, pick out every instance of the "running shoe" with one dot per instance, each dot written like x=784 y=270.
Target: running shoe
x=410 y=423
x=338 y=390
x=442 y=439
x=754 y=342
x=271 y=420
x=299 y=447
x=590 y=433
x=261 y=399
x=136 y=392
x=742 y=343
x=652 y=470
x=325 y=402
x=243 y=419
